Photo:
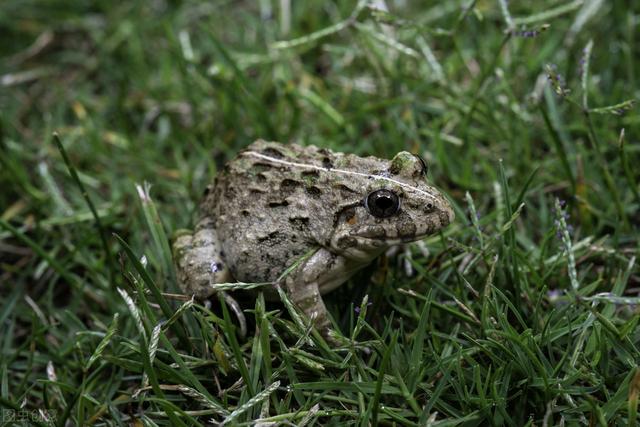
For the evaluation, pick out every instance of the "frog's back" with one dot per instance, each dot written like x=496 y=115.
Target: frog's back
x=268 y=210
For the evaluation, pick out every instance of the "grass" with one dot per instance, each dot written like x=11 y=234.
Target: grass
x=523 y=312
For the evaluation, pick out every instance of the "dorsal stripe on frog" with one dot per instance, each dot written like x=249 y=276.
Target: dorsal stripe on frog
x=333 y=170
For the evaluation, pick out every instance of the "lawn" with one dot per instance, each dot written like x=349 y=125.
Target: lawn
x=114 y=117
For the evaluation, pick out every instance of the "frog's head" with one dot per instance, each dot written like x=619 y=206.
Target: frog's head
x=397 y=206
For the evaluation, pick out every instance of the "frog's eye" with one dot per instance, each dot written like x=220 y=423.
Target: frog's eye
x=382 y=203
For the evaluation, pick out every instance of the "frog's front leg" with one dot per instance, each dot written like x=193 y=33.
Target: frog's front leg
x=322 y=272
x=198 y=260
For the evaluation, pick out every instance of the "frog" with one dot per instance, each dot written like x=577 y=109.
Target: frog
x=305 y=218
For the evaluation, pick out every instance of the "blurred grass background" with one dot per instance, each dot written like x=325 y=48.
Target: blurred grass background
x=515 y=315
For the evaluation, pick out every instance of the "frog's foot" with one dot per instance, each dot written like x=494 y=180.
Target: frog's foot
x=198 y=260
x=307 y=298
x=320 y=272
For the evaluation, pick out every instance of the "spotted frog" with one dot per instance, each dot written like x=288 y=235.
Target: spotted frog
x=326 y=214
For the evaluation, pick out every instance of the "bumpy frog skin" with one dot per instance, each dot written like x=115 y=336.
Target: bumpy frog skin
x=276 y=204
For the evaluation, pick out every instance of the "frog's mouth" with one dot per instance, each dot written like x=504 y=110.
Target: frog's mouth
x=404 y=229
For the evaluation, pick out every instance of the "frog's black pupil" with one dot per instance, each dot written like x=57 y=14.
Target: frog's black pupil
x=382 y=203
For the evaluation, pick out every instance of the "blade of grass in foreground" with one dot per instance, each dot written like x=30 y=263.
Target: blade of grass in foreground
x=184 y=374
x=594 y=138
x=150 y=284
x=101 y=230
x=634 y=390
x=154 y=224
x=229 y=331
x=375 y=402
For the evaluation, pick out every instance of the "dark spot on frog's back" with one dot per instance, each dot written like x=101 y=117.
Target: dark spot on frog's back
x=272 y=239
x=327 y=163
x=394 y=169
x=299 y=223
x=259 y=167
x=324 y=151
x=345 y=191
x=314 y=191
x=311 y=176
x=230 y=192
x=276 y=204
x=288 y=186
x=273 y=152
